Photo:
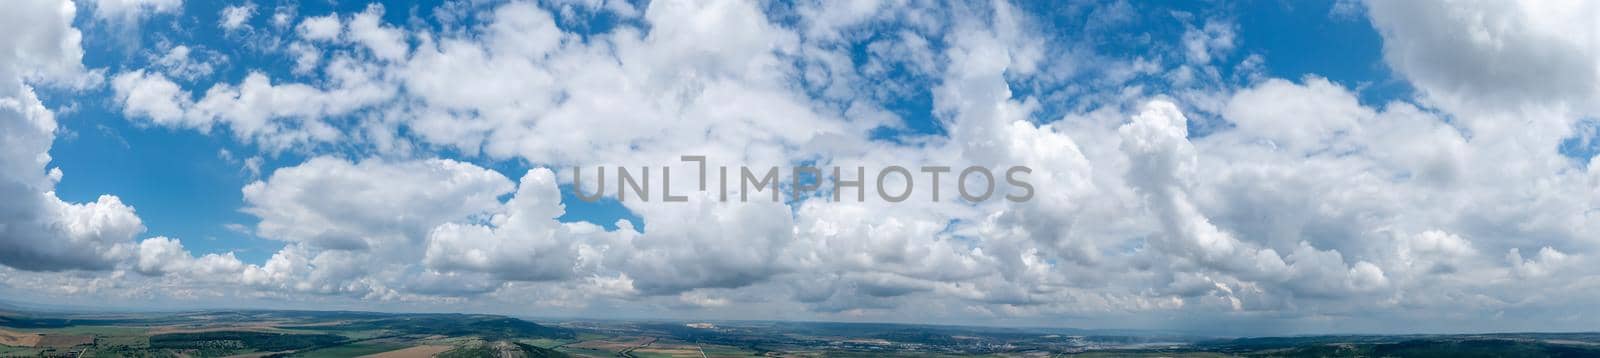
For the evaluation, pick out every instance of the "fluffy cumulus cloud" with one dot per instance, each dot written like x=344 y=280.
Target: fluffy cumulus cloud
x=237 y=17
x=1497 y=54
x=332 y=203
x=1186 y=182
x=524 y=242
x=39 y=231
x=131 y=11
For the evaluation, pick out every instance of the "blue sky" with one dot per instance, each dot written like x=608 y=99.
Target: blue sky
x=182 y=185
x=184 y=188
x=1280 y=166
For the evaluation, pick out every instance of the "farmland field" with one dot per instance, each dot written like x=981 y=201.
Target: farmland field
x=351 y=350
x=422 y=351
x=363 y=334
x=267 y=333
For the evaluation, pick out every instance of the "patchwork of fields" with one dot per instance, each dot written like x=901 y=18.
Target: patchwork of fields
x=363 y=334
x=318 y=334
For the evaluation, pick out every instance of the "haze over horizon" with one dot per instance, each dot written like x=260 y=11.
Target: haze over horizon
x=1239 y=167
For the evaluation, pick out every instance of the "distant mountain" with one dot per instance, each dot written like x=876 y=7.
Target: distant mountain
x=21 y=307
x=489 y=327
x=6 y=308
x=1453 y=345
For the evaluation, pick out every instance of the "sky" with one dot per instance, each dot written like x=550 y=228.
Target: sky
x=1233 y=167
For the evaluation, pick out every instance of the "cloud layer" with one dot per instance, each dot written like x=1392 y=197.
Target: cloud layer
x=1307 y=208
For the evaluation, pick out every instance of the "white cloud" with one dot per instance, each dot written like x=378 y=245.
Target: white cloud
x=306 y=57
x=1296 y=118
x=132 y=11
x=367 y=28
x=277 y=116
x=670 y=257
x=1546 y=263
x=45 y=44
x=39 y=231
x=666 y=92
x=1485 y=55
x=523 y=243
x=183 y=62
x=702 y=300
x=323 y=28
x=283 y=16
x=1210 y=42
x=160 y=255
x=1295 y=200
x=330 y=203
x=236 y=17
x=154 y=96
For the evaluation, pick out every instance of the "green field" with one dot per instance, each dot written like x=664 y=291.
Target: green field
x=351 y=350
x=1153 y=354
x=545 y=342
x=19 y=351
x=122 y=341
x=350 y=334
x=95 y=330
x=587 y=352
x=725 y=351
